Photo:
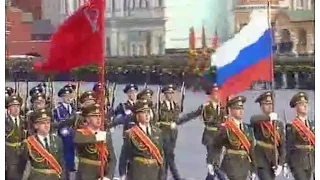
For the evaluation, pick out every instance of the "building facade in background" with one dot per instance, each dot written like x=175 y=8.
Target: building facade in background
x=292 y=22
x=135 y=27
x=31 y=6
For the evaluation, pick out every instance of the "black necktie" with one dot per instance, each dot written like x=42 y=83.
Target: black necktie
x=147 y=129
x=16 y=122
x=46 y=144
x=306 y=122
x=241 y=127
x=171 y=106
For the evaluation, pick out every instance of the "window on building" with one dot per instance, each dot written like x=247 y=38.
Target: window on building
x=160 y=3
x=108 y=43
x=147 y=3
x=133 y=4
x=124 y=5
x=141 y=50
x=133 y=50
x=312 y=4
x=141 y=4
x=113 y=5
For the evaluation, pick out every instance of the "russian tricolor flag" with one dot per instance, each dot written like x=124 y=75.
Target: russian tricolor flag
x=246 y=57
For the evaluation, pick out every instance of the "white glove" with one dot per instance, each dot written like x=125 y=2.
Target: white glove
x=173 y=125
x=286 y=171
x=101 y=136
x=210 y=169
x=128 y=112
x=123 y=177
x=104 y=178
x=112 y=130
x=277 y=170
x=253 y=176
x=273 y=116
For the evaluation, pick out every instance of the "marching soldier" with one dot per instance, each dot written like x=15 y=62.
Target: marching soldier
x=38 y=101
x=237 y=137
x=269 y=134
x=73 y=95
x=127 y=107
x=94 y=148
x=146 y=95
x=168 y=114
x=97 y=89
x=213 y=115
x=142 y=148
x=300 y=136
x=62 y=112
x=8 y=92
x=43 y=149
x=15 y=133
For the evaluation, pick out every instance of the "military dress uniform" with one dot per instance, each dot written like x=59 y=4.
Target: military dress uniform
x=126 y=108
x=213 y=115
x=146 y=95
x=168 y=115
x=92 y=151
x=265 y=134
x=15 y=133
x=300 y=142
x=143 y=150
x=237 y=137
x=44 y=152
x=61 y=113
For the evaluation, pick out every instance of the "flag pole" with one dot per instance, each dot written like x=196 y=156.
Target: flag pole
x=272 y=85
x=101 y=74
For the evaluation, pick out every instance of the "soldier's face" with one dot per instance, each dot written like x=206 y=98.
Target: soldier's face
x=94 y=121
x=266 y=107
x=302 y=108
x=39 y=104
x=88 y=102
x=169 y=95
x=43 y=127
x=237 y=112
x=143 y=117
x=14 y=110
x=132 y=95
x=67 y=98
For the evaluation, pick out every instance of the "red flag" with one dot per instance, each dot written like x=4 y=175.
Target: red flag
x=192 y=39
x=79 y=41
x=215 y=40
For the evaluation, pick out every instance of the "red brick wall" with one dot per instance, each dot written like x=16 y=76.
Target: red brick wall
x=33 y=6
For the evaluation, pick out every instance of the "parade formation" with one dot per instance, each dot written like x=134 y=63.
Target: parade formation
x=65 y=141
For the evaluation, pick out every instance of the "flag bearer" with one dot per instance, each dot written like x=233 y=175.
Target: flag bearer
x=63 y=112
x=43 y=149
x=269 y=134
x=237 y=137
x=300 y=136
x=213 y=115
x=142 y=148
x=94 y=148
x=15 y=133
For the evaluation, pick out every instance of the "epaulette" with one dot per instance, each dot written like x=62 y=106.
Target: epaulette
x=206 y=104
x=156 y=129
x=127 y=133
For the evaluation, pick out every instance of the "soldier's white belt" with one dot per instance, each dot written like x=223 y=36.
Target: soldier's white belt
x=15 y=144
x=45 y=171
x=265 y=145
x=89 y=161
x=306 y=147
x=145 y=160
x=211 y=128
x=164 y=123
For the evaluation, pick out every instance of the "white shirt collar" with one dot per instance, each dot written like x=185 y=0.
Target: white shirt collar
x=144 y=127
x=15 y=118
x=41 y=138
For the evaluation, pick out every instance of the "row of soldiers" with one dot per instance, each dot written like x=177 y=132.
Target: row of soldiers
x=265 y=147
